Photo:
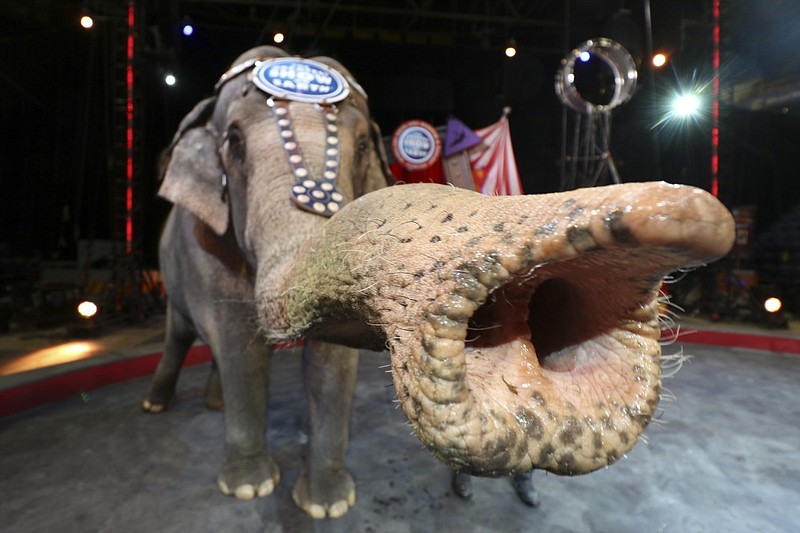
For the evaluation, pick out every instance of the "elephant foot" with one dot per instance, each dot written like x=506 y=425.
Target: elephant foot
x=248 y=477
x=330 y=495
x=525 y=489
x=462 y=485
x=155 y=403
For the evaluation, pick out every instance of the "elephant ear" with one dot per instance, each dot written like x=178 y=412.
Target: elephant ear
x=192 y=170
x=379 y=174
x=199 y=115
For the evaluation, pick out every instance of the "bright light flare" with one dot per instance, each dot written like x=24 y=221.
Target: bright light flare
x=585 y=56
x=170 y=79
x=87 y=309
x=87 y=22
x=686 y=105
x=772 y=305
x=278 y=38
x=510 y=51
x=54 y=355
x=187 y=30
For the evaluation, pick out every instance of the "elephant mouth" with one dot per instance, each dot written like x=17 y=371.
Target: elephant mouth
x=551 y=365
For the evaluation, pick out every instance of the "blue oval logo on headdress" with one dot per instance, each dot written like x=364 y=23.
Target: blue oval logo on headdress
x=303 y=80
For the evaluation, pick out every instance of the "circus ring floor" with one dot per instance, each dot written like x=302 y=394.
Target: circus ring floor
x=77 y=453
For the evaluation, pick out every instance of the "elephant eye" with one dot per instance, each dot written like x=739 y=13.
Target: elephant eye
x=236 y=144
x=361 y=148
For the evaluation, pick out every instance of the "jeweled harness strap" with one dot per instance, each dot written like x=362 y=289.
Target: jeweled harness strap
x=315 y=194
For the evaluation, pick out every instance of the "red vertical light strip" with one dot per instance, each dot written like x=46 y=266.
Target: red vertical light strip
x=715 y=64
x=129 y=132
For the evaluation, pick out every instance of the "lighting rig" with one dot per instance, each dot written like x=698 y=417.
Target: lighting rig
x=129 y=291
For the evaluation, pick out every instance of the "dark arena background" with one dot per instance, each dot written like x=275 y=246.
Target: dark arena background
x=86 y=111
x=64 y=102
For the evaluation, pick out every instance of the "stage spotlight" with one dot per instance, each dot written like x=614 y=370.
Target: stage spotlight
x=772 y=304
x=170 y=79
x=87 y=309
x=187 y=28
x=511 y=48
x=686 y=105
x=659 y=60
x=278 y=38
x=87 y=22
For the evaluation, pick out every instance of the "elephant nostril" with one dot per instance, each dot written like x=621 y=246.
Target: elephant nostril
x=547 y=313
x=557 y=317
x=563 y=306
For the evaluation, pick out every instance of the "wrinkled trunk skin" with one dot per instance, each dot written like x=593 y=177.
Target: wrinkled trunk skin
x=523 y=330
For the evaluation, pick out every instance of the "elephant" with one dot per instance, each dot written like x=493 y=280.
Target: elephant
x=218 y=171
x=523 y=331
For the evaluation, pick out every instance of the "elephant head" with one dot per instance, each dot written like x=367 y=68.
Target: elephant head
x=231 y=163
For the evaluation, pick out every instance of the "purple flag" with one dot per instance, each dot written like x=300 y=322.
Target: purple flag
x=458 y=137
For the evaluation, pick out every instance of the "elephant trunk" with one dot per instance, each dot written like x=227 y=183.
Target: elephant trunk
x=523 y=330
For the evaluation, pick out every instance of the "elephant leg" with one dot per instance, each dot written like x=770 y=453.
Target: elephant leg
x=180 y=334
x=213 y=394
x=244 y=360
x=462 y=485
x=523 y=485
x=325 y=488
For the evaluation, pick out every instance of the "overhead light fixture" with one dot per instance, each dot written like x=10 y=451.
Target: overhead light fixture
x=772 y=304
x=511 y=48
x=659 y=60
x=87 y=18
x=87 y=309
x=187 y=28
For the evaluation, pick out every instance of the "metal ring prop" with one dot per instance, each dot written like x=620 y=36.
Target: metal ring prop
x=615 y=57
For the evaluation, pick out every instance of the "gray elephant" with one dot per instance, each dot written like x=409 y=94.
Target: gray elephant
x=523 y=330
x=230 y=176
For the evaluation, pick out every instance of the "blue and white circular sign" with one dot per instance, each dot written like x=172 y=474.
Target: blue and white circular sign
x=303 y=80
x=416 y=145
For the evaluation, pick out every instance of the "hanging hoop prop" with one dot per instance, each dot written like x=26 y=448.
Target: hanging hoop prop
x=594 y=78
x=613 y=59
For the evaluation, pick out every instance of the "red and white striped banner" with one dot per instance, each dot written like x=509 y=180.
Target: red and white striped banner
x=495 y=169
